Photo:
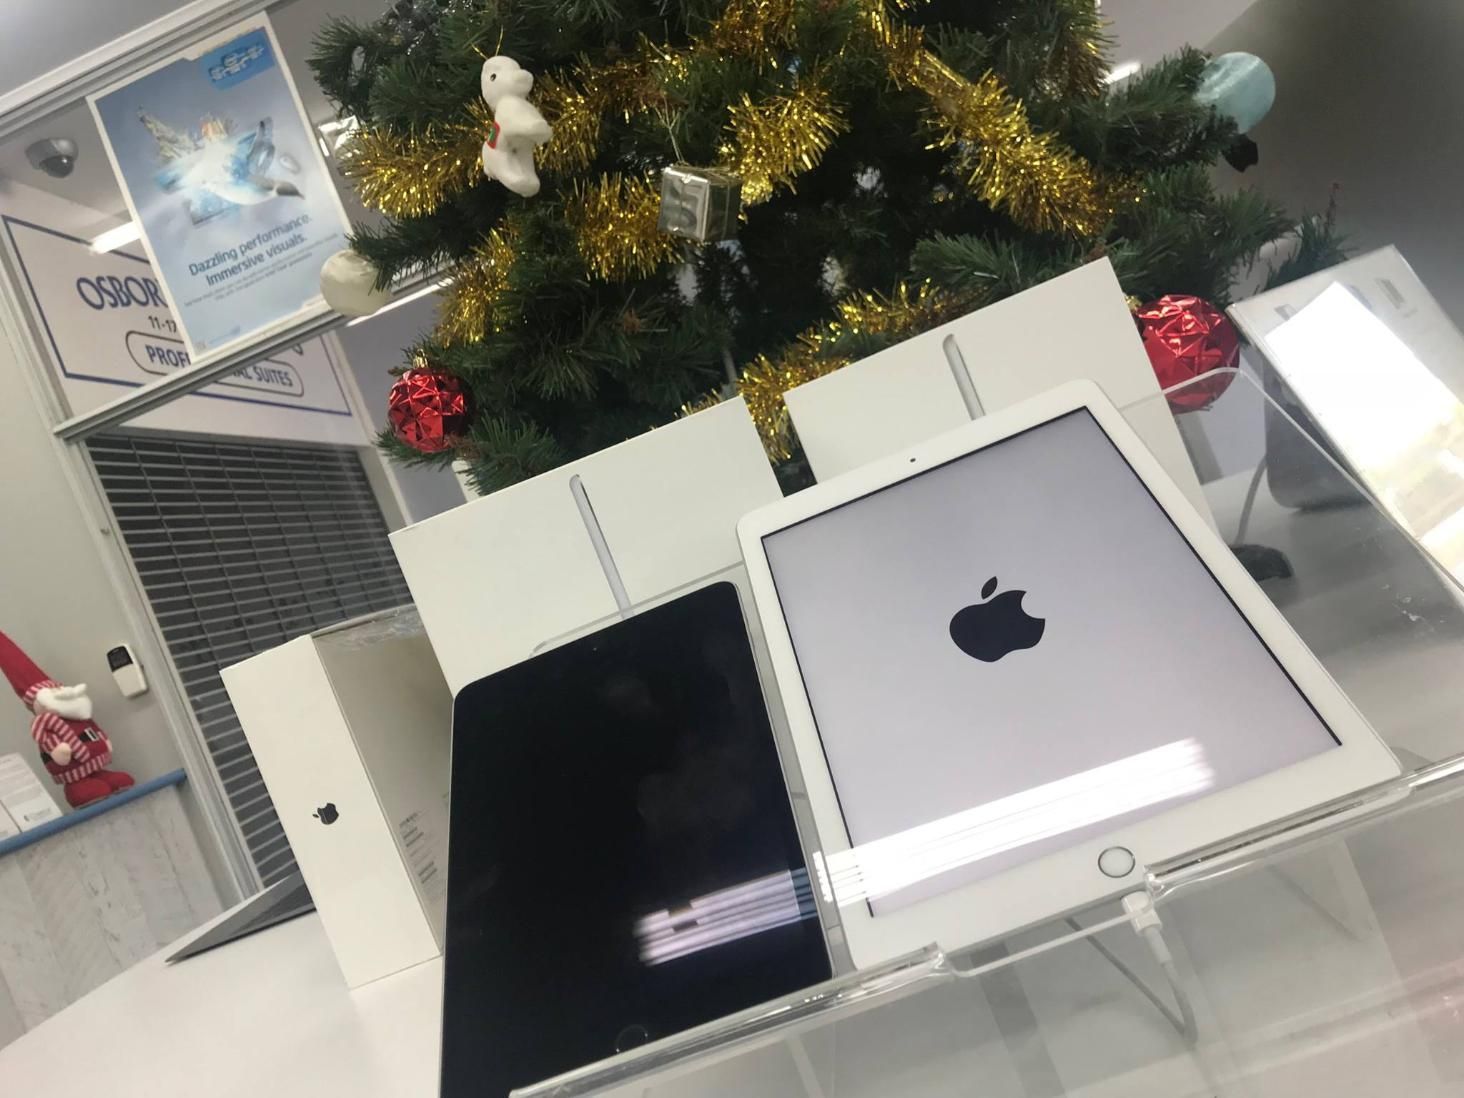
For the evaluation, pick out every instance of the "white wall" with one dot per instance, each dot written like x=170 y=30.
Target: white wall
x=62 y=586
x=56 y=599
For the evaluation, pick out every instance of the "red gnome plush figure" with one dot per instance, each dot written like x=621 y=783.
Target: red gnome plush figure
x=74 y=750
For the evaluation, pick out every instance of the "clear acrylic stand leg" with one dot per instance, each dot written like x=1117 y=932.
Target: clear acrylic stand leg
x=1016 y=1021
x=812 y=1088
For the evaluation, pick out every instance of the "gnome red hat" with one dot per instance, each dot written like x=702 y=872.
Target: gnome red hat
x=25 y=677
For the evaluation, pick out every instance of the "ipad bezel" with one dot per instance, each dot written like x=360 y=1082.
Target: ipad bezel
x=1069 y=879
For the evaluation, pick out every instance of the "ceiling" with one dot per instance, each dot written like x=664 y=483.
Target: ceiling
x=1146 y=30
x=42 y=34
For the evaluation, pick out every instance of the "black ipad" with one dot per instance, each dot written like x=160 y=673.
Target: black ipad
x=623 y=860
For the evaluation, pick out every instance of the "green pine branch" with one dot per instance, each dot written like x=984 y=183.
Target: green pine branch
x=572 y=363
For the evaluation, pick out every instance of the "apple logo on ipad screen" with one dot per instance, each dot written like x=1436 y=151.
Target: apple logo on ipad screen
x=991 y=629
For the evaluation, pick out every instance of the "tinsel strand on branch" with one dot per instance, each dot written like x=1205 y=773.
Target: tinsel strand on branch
x=411 y=175
x=763 y=384
x=751 y=28
x=1026 y=175
x=1079 y=60
x=470 y=304
x=770 y=142
x=574 y=103
x=616 y=224
x=818 y=352
x=1029 y=176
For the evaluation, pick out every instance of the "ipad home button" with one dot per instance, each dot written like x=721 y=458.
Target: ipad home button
x=631 y=1037
x=1116 y=861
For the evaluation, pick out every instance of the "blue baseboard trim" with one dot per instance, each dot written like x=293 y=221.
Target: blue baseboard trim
x=90 y=812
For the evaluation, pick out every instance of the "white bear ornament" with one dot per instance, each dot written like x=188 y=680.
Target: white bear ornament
x=508 y=154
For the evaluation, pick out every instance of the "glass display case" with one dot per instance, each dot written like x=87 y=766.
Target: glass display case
x=1320 y=954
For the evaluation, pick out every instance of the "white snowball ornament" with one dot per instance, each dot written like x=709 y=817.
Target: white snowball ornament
x=1240 y=86
x=348 y=282
x=508 y=154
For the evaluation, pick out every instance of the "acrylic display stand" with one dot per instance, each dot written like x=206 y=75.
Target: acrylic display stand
x=1322 y=953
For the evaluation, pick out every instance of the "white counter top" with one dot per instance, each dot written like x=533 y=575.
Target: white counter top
x=268 y=1016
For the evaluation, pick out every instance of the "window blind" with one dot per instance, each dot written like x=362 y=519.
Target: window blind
x=242 y=546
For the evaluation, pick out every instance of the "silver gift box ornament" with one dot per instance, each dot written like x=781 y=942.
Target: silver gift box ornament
x=700 y=203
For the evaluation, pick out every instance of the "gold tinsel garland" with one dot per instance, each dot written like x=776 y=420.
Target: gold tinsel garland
x=470 y=303
x=1026 y=175
x=575 y=103
x=408 y=176
x=813 y=354
x=750 y=28
x=616 y=223
x=763 y=384
x=1029 y=176
x=772 y=141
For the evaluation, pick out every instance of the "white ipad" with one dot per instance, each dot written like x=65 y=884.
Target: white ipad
x=1019 y=667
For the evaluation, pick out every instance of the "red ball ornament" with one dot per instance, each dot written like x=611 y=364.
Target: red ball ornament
x=1186 y=337
x=428 y=409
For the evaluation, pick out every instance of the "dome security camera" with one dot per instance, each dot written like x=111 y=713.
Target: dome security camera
x=55 y=156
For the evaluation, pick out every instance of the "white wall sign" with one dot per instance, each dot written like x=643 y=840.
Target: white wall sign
x=109 y=327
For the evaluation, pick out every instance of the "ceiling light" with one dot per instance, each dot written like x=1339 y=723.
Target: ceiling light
x=113 y=239
x=430 y=288
x=1122 y=72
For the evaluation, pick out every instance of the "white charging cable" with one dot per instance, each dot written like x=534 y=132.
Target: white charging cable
x=1139 y=906
x=1140 y=913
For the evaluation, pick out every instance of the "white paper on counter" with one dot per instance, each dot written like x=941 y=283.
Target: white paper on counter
x=23 y=796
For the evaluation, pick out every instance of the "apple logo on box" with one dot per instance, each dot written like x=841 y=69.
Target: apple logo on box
x=991 y=629
x=327 y=813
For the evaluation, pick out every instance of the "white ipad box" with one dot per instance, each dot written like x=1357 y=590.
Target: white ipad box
x=1075 y=326
x=351 y=727
x=497 y=578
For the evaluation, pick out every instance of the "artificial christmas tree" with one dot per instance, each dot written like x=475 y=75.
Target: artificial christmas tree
x=897 y=163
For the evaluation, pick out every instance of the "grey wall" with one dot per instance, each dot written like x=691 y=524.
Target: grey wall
x=42 y=34
x=1369 y=96
x=1146 y=30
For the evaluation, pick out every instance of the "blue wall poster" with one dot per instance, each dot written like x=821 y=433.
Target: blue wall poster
x=221 y=171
